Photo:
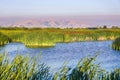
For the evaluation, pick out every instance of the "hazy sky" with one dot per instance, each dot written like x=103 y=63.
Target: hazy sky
x=59 y=7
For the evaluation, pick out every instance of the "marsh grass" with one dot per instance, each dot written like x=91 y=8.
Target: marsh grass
x=22 y=68
x=49 y=37
x=84 y=70
x=114 y=75
x=4 y=39
x=116 y=44
x=26 y=68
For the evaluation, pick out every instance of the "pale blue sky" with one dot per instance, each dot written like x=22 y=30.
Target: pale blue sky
x=59 y=7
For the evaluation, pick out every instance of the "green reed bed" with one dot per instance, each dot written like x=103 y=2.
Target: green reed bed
x=32 y=38
x=116 y=44
x=4 y=39
x=26 y=68
x=37 y=39
x=84 y=70
x=49 y=37
x=113 y=75
x=22 y=68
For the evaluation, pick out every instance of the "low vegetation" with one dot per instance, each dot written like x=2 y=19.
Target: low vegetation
x=22 y=68
x=50 y=36
x=116 y=44
x=4 y=39
x=26 y=68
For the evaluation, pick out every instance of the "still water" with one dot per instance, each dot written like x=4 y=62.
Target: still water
x=71 y=53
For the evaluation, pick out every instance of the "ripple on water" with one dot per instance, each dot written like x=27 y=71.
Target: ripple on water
x=70 y=52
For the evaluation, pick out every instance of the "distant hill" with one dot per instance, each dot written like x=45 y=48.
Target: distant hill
x=60 y=22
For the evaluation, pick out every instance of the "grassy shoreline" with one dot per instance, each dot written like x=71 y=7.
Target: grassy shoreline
x=49 y=37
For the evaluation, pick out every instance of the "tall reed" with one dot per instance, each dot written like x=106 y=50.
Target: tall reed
x=26 y=68
x=4 y=39
x=49 y=37
x=116 y=44
x=22 y=68
x=84 y=70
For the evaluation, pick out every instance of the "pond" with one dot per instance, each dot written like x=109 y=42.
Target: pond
x=71 y=53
